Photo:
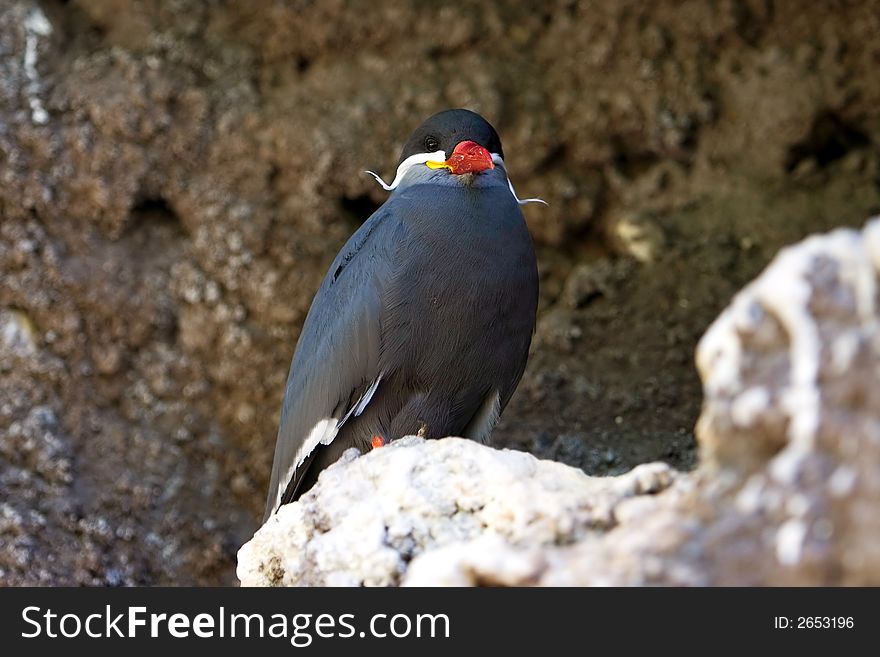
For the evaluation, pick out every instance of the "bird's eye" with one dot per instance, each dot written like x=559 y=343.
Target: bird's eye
x=432 y=144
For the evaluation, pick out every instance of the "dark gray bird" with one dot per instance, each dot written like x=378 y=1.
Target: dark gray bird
x=422 y=324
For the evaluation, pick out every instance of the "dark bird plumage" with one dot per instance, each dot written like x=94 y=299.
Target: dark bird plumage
x=423 y=322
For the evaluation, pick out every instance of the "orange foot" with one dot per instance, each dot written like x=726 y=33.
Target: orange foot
x=377 y=442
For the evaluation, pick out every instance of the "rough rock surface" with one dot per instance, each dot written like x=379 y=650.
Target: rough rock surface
x=792 y=412
x=176 y=176
x=368 y=517
x=787 y=493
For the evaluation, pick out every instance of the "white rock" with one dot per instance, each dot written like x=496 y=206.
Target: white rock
x=368 y=517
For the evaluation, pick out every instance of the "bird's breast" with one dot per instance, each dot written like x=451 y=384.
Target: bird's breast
x=464 y=282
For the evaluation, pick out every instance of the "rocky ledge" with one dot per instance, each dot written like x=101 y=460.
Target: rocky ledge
x=786 y=492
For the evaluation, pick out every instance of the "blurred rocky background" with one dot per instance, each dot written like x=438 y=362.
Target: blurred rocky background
x=175 y=177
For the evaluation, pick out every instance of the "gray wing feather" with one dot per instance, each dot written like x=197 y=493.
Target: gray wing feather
x=337 y=353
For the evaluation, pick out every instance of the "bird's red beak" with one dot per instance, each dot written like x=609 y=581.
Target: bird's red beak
x=468 y=157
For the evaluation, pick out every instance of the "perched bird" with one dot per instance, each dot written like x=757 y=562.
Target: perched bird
x=423 y=323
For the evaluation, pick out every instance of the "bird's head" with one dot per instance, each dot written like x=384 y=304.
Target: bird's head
x=458 y=142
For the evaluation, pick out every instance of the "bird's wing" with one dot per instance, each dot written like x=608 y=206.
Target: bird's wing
x=335 y=366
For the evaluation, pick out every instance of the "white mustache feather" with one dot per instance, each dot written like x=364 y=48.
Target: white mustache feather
x=440 y=156
x=406 y=165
